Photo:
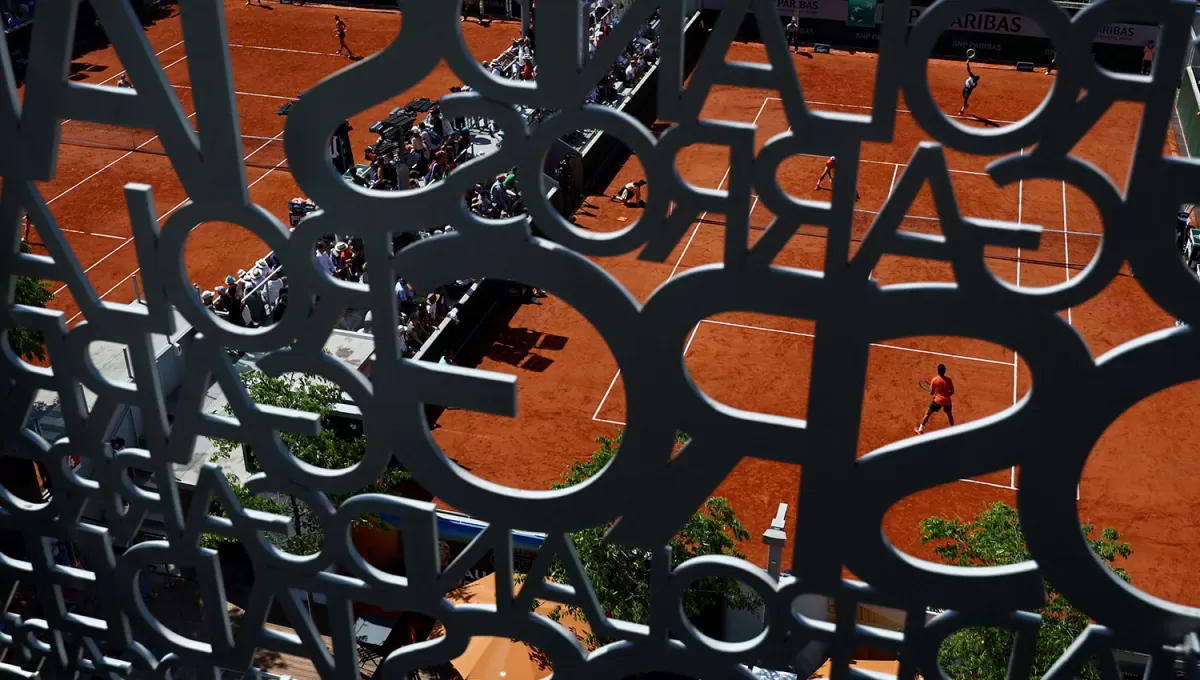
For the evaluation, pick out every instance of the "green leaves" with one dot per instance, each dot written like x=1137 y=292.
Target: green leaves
x=327 y=450
x=621 y=575
x=26 y=343
x=993 y=538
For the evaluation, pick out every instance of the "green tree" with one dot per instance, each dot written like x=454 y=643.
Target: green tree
x=32 y=292
x=621 y=575
x=327 y=450
x=993 y=538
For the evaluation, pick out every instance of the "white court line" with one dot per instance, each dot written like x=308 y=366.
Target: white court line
x=891 y=187
x=284 y=49
x=873 y=344
x=872 y=108
x=89 y=233
x=127 y=238
x=969 y=481
x=926 y=218
x=165 y=216
x=1011 y=487
x=245 y=94
x=1066 y=246
x=614 y=422
x=903 y=165
x=121 y=73
x=998 y=486
x=696 y=230
x=168 y=49
x=1020 y=218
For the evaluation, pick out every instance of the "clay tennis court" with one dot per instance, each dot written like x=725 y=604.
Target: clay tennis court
x=1137 y=480
x=570 y=390
x=277 y=51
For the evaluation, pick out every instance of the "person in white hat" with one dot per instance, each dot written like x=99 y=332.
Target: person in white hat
x=218 y=303
x=207 y=298
x=418 y=144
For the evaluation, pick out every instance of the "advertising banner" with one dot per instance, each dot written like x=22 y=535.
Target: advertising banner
x=861 y=13
x=999 y=23
x=1014 y=24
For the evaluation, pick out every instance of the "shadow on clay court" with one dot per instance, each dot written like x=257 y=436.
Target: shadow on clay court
x=515 y=346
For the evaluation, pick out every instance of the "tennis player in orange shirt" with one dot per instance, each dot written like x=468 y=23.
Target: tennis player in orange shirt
x=942 y=389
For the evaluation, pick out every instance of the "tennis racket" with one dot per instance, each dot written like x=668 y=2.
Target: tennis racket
x=925 y=385
x=970 y=54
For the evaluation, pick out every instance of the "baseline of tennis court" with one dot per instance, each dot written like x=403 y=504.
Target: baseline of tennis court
x=987 y=377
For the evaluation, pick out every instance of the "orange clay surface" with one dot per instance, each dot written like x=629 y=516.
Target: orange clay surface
x=278 y=51
x=1137 y=480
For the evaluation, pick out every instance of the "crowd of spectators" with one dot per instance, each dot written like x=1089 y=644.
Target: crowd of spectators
x=250 y=298
x=16 y=13
x=418 y=156
x=259 y=297
x=430 y=151
x=637 y=58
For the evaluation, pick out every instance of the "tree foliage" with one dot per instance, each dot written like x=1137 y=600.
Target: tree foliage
x=33 y=292
x=994 y=538
x=621 y=575
x=327 y=450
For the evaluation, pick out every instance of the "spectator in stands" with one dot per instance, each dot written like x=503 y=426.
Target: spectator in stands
x=218 y=304
x=403 y=294
x=275 y=290
x=415 y=160
x=527 y=47
x=280 y=307
x=435 y=120
x=357 y=263
x=233 y=284
x=341 y=262
x=651 y=51
x=257 y=276
x=442 y=165
x=511 y=190
x=232 y=303
x=207 y=298
x=324 y=259
x=630 y=74
x=427 y=141
x=497 y=196
x=417 y=141
x=376 y=175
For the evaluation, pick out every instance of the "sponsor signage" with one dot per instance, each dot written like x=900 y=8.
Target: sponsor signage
x=1001 y=23
x=861 y=13
x=1014 y=24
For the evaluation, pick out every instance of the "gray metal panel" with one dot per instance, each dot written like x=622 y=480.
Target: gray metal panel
x=841 y=501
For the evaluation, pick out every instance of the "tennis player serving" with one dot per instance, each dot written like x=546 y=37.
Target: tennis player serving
x=970 y=85
x=942 y=389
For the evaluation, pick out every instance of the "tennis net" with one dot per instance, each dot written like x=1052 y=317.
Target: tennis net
x=259 y=152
